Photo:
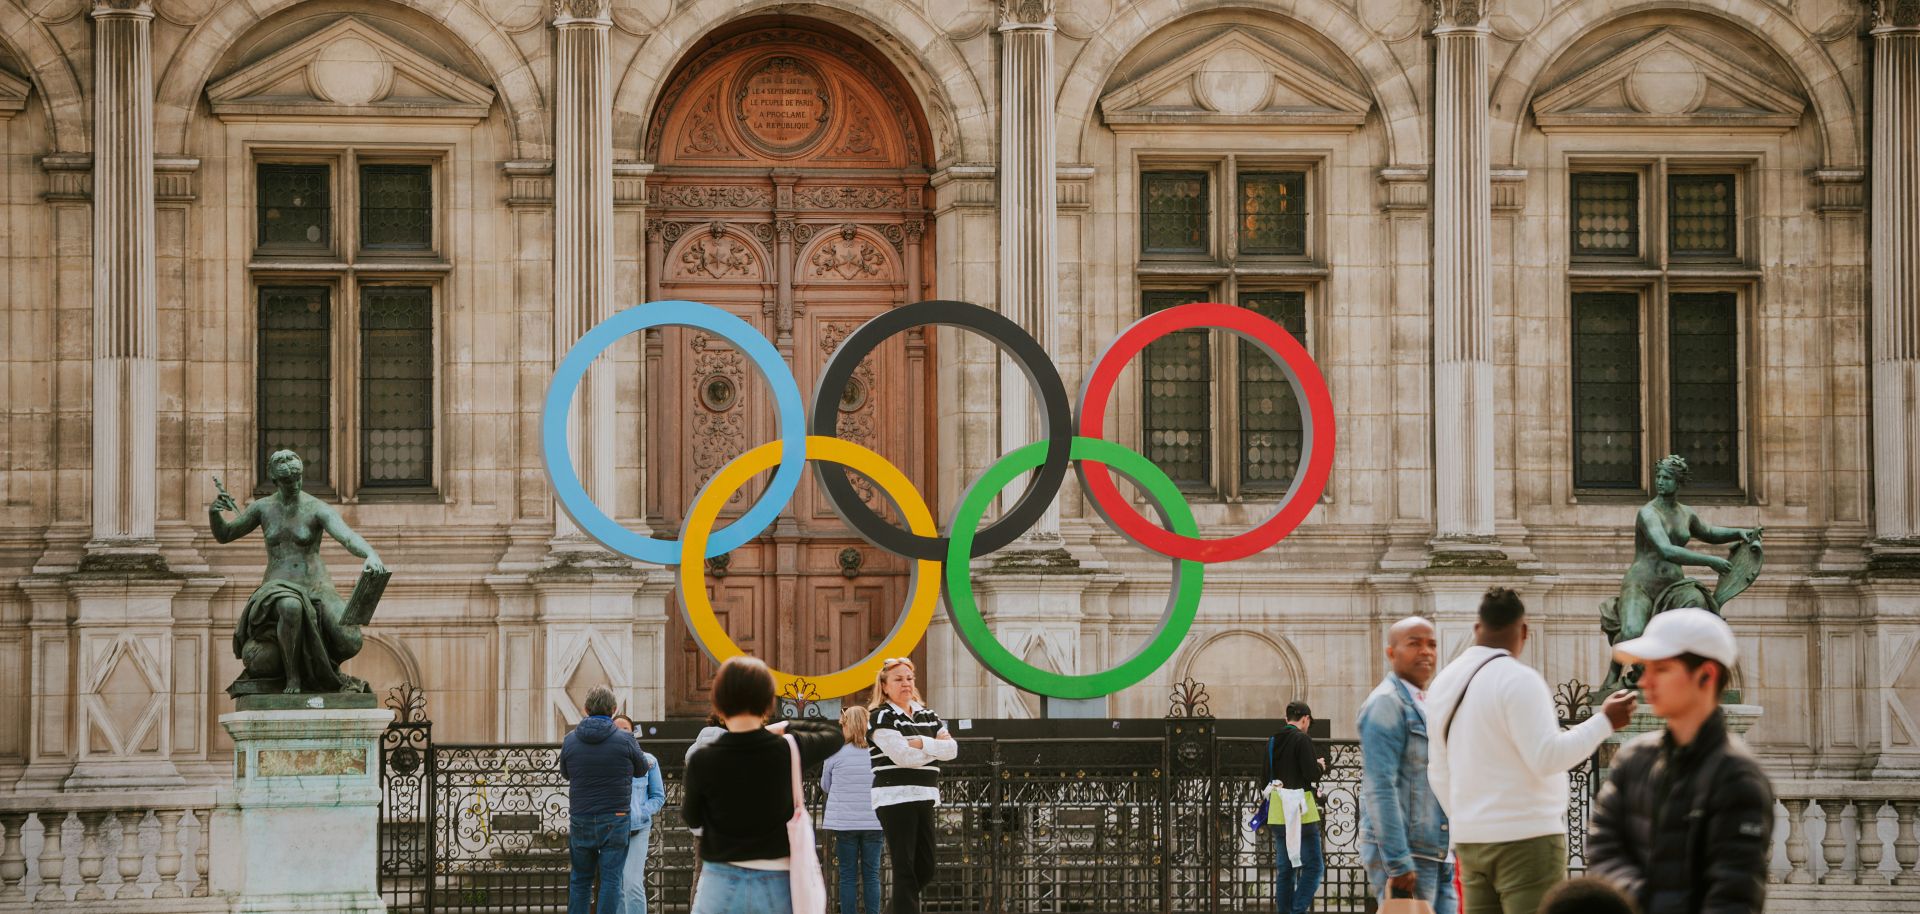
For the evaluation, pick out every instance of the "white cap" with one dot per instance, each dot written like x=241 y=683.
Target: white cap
x=1682 y=631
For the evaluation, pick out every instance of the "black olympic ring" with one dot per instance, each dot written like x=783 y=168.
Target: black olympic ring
x=1042 y=377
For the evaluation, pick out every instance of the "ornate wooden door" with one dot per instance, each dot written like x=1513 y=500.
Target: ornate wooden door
x=791 y=191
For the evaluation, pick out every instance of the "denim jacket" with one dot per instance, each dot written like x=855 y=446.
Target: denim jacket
x=649 y=794
x=1400 y=818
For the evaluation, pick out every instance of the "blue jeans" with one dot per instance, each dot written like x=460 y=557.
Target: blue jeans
x=728 y=889
x=858 y=855
x=1434 y=884
x=633 y=877
x=1296 y=881
x=598 y=846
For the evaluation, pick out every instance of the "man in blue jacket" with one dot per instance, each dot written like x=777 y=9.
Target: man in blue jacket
x=599 y=762
x=1403 y=832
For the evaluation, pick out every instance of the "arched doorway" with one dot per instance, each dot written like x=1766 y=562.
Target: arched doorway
x=790 y=189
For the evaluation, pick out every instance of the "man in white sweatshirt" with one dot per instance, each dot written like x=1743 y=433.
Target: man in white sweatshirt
x=1494 y=724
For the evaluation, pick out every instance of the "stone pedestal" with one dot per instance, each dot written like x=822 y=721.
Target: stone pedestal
x=299 y=829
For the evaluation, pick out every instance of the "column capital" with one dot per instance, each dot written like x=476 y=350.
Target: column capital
x=1449 y=15
x=1893 y=15
x=583 y=12
x=1018 y=15
x=122 y=9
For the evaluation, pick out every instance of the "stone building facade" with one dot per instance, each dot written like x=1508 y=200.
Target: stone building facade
x=1533 y=245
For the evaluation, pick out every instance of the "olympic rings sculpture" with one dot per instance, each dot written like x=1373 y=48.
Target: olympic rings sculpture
x=1072 y=439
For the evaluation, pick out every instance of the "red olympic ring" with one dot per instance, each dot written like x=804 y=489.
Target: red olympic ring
x=1316 y=408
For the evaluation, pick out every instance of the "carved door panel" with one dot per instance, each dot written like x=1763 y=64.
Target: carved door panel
x=790 y=189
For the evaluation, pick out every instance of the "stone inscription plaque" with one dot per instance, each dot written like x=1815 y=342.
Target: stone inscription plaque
x=782 y=104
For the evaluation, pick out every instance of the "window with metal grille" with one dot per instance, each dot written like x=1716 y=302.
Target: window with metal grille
x=1271 y=430
x=1273 y=213
x=396 y=207
x=1701 y=216
x=1703 y=342
x=1606 y=214
x=396 y=386
x=1174 y=212
x=295 y=207
x=1606 y=390
x=294 y=377
x=1177 y=410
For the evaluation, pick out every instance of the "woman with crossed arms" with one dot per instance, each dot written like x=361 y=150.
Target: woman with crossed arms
x=908 y=738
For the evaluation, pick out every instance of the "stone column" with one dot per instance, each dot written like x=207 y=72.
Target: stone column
x=1029 y=246
x=124 y=311
x=1896 y=274
x=1462 y=292
x=583 y=235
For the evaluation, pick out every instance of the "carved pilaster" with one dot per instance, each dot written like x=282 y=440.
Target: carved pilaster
x=124 y=310
x=1029 y=212
x=1462 y=287
x=1896 y=271
x=583 y=198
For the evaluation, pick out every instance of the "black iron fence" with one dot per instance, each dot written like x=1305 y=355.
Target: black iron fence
x=1036 y=816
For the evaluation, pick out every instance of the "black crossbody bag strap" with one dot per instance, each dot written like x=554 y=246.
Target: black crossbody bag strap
x=1446 y=731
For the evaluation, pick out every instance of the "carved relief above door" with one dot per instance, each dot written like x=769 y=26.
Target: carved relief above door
x=790 y=190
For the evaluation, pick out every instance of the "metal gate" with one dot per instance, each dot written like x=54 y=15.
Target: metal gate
x=1056 y=815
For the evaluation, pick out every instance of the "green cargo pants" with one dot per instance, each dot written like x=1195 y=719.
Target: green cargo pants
x=1511 y=877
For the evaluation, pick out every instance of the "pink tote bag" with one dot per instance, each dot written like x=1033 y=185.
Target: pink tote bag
x=803 y=868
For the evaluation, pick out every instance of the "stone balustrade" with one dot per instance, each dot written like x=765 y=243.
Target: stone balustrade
x=1866 y=856
x=133 y=851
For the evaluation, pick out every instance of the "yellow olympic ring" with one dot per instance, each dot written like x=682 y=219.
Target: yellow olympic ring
x=706 y=628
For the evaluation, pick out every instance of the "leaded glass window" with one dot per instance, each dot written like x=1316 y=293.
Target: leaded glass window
x=295 y=374
x=1273 y=212
x=1606 y=390
x=396 y=386
x=1703 y=338
x=396 y=207
x=1271 y=431
x=1606 y=215
x=295 y=206
x=1174 y=212
x=1701 y=211
x=1177 y=412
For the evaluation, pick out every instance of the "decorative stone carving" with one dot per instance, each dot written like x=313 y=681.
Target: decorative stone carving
x=1668 y=80
x=569 y=11
x=704 y=134
x=849 y=256
x=718 y=428
x=855 y=197
x=859 y=139
x=13 y=95
x=1234 y=78
x=1026 y=12
x=1458 y=13
x=719 y=257
x=1895 y=14
x=122 y=6
x=715 y=196
x=349 y=68
x=782 y=105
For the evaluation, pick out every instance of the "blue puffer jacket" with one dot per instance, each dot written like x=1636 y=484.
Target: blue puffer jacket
x=600 y=762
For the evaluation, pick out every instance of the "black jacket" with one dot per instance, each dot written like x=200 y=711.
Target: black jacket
x=600 y=762
x=739 y=789
x=1294 y=763
x=1685 y=829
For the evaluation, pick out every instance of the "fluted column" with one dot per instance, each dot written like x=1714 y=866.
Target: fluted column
x=1896 y=271
x=124 y=311
x=583 y=231
x=1028 y=213
x=1462 y=291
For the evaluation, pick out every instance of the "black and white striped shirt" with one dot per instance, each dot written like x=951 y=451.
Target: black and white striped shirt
x=901 y=773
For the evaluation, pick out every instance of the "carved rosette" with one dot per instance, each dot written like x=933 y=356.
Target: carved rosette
x=1894 y=14
x=718 y=417
x=857 y=408
x=1459 y=14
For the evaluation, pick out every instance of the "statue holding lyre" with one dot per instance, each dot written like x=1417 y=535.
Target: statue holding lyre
x=296 y=630
x=1656 y=581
